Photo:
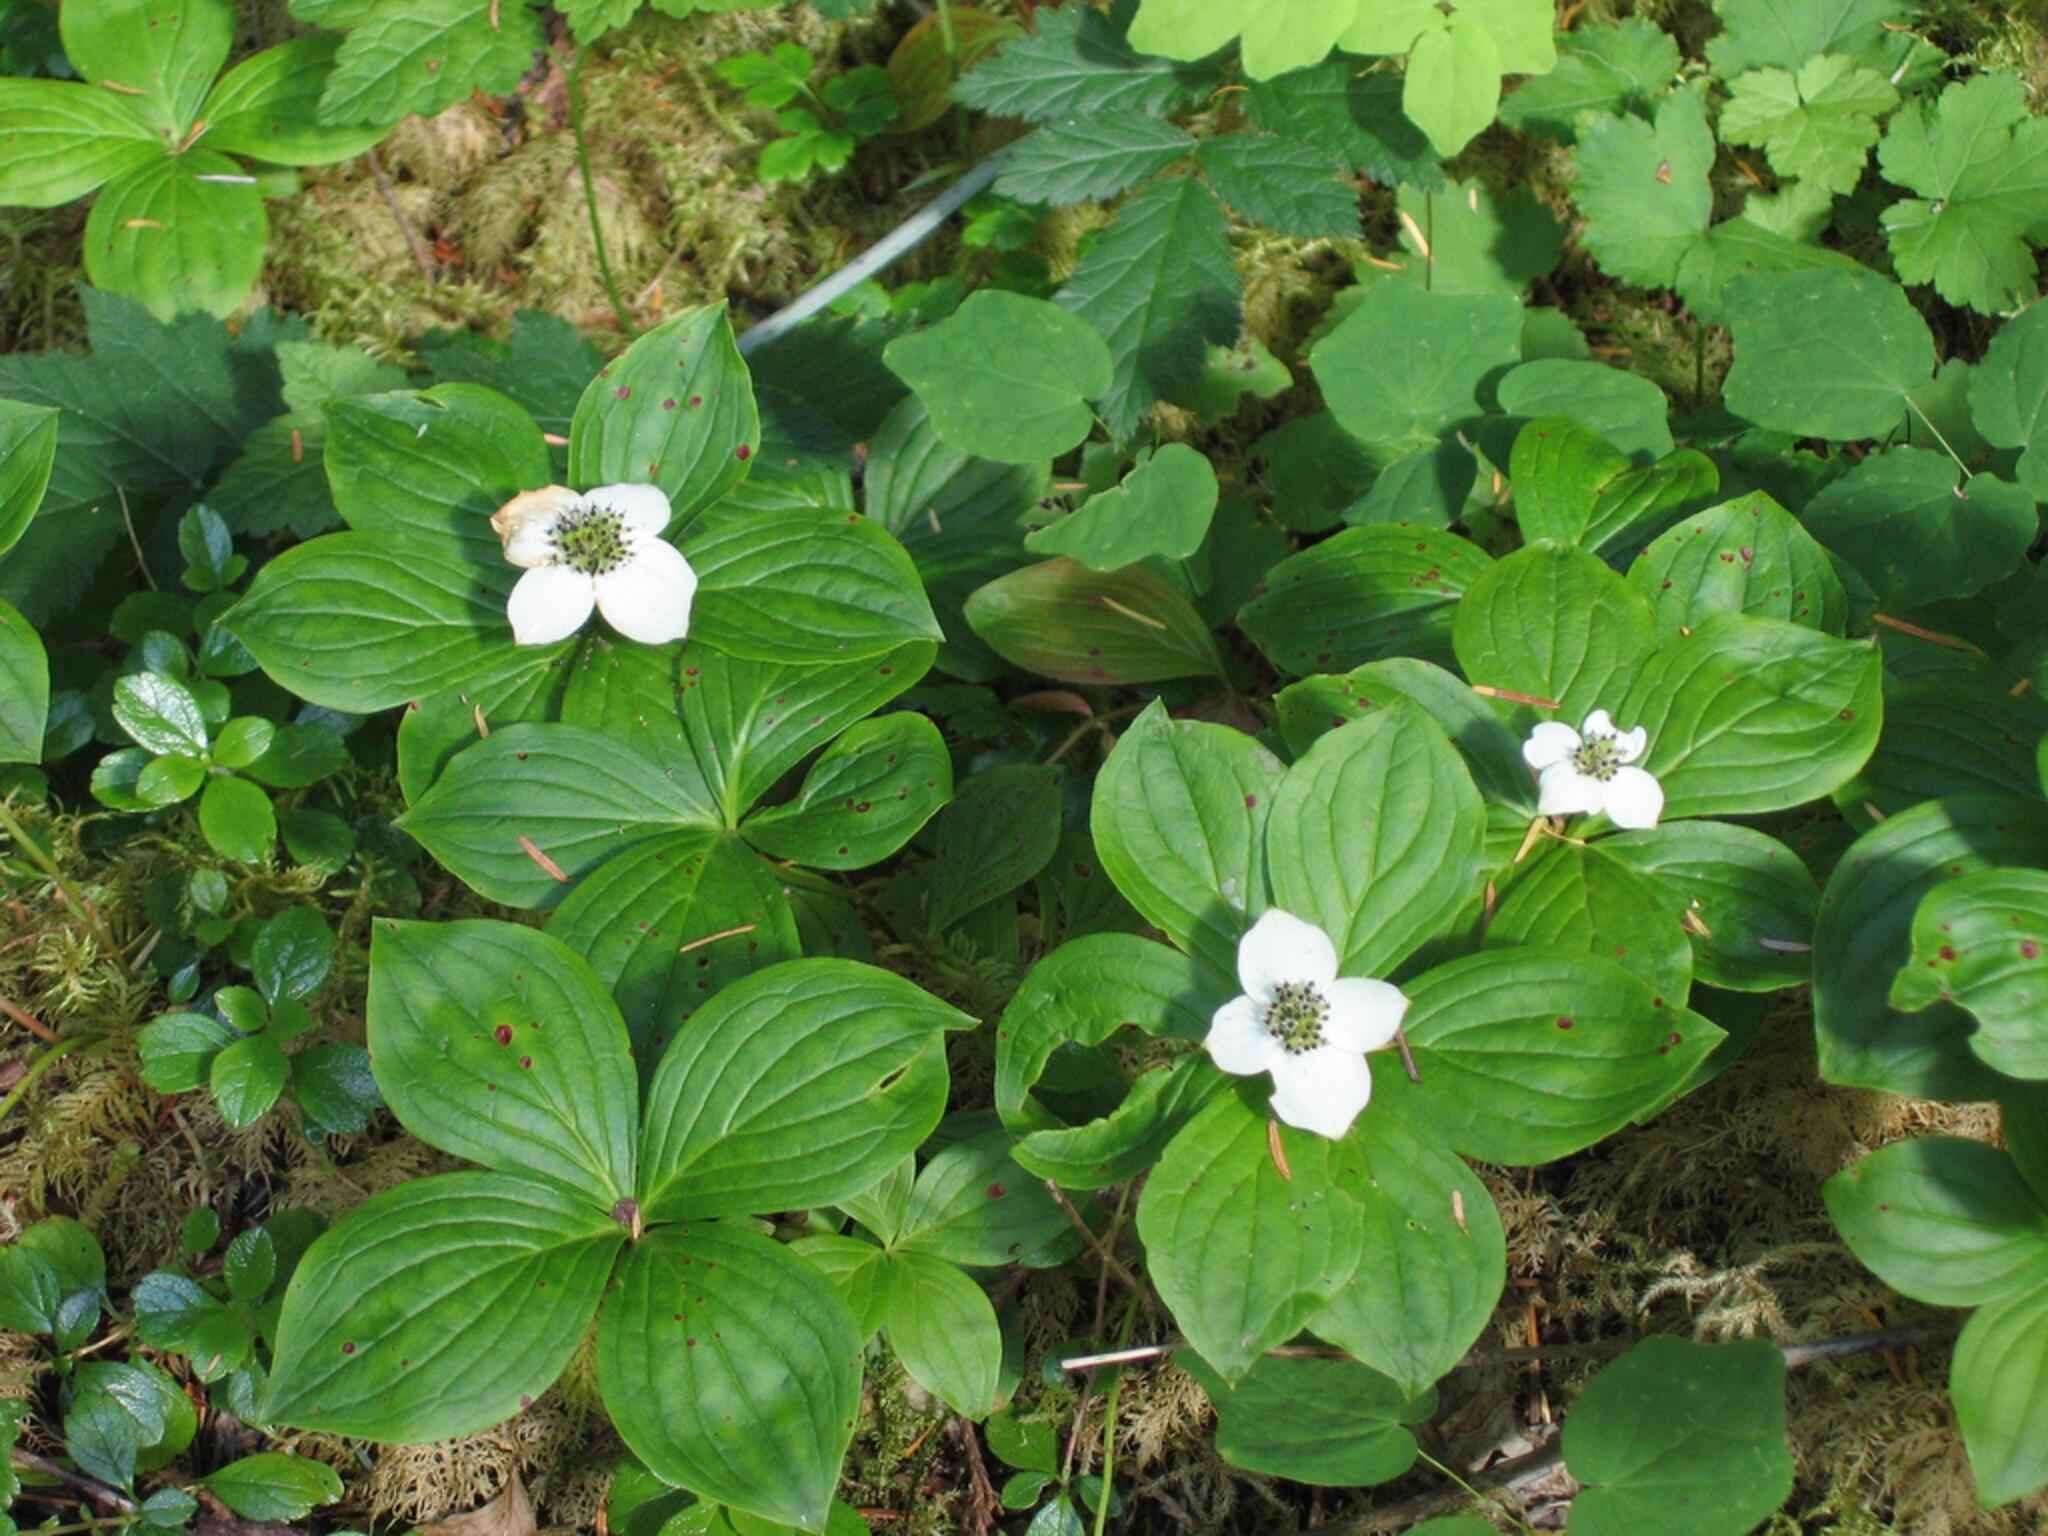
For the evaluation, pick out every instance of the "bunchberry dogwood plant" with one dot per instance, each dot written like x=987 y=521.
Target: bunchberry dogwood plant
x=601 y=549
x=1303 y=1023
x=1591 y=770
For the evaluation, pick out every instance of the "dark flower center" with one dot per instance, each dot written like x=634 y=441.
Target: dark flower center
x=1296 y=1016
x=1597 y=758
x=591 y=540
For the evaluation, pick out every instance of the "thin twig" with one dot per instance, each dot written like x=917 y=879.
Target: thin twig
x=92 y=1488
x=1095 y=1243
x=134 y=543
x=28 y=1021
x=1932 y=636
x=420 y=254
x=39 y=857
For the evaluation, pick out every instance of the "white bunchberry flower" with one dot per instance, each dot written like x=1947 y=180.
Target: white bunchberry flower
x=1588 y=771
x=594 y=549
x=1304 y=1024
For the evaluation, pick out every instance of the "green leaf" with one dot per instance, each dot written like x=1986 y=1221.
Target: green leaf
x=118 y=1411
x=432 y=466
x=1076 y=63
x=1749 y=556
x=1574 y=487
x=943 y=1329
x=238 y=820
x=543 y=364
x=1160 y=287
x=65 y=139
x=1760 y=33
x=750 y=1395
x=1062 y=620
x=273 y=1486
x=1977 y=944
x=857 y=1274
x=1916 y=534
x=292 y=954
x=177 y=1050
x=166 y=52
x=334 y=1089
x=974 y=1205
x=1293 y=1243
x=1568 y=897
x=1163 y=507
x=1468 y=238
x=863 y=799
x=1286 y=185
x=2009 y=394
x=435 y=1308
x=1942 y=1220
x=1452 y=86
x=1643 y=189
x=1681 y=1437
x=1626 y=409
x=1818 y=124
x=496 y=1043
x=1356 y=114
x=421 y=56
x=1863 y=937
x=1980 y=164
x=173 y=1313
x=1082 y=994
x=1528 y=1054
x=1271 y=39
x=1606 y=69
x=1828 y=354
x=796 y=1086
x=675 y=410
x=1376 y=837
x=1997 y=1383
x=1749 y=892
x=363 y=621
x=575 y=795
x=159 y=714
x=999 y=832
x=24 y=689
x=28 y=451
x=1492 y=752
x=1028 y=1443
x=247 y=1075
x=1179 y=816
x=990 y=398
x=1327 y=1423
x=1089 y=159
x=1438 y=1254
x=163 y=234
x=1752 y=715
x=267 y=107
x=1447 y=346
x=1365 y=594
x=803 y=584
x=1555 y=623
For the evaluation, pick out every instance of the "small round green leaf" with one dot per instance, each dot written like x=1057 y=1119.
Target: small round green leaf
x=994 y=398
x=273 y=1486
x=247 y=1075
x=238 y=820
x=1327 y=1423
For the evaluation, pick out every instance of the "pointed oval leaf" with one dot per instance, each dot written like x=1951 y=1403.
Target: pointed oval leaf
x=675 y=410
x=732 y=1368
x=28 y=451
x=863 y=799
x=1942 y=1220
x=64 y=139
x=1999 y=1382
x=439 y=1308
x=1179 y=818
x=267 y=107
x=1062 y=620
x=1745 y=556
x=1293 y=1242
x=796 y=1086
x=1527 y=1054
x=1556 y=623
x=1380 y=591
x=1977 y=943
x=973 y=1205
x=24 y=689
x=1751 y=894
x=944 y=1330
x=1326 y=1423
x=496 y=1043
x=1573 y=896
x=165 y=53
x=173 y=235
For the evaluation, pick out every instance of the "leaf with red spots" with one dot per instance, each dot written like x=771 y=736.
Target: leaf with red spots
x=1981 y=942
x=863 y=799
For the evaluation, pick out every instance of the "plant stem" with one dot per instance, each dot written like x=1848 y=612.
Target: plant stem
x=604 y=264
x=37 y=1068
x=1109 y=1426
x=48 y=866
x=1930 y=426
